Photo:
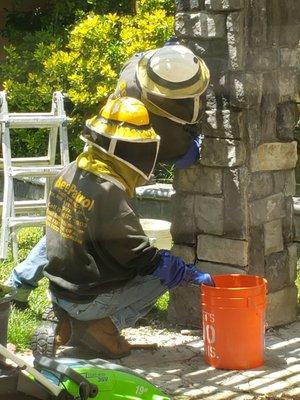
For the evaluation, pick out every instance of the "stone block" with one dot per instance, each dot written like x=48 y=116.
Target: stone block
x=286 y=119
x=235 y=182
x=266 y=209
x=219 y=269
x=222 y=153
x=215 y=97
x=222 y=250
x=226 y=124
x=223 y=5
x=273 y=236
x=198 y=47
x=187 y=253
x=288 y=220
x=261 y=60
x=273 y=22
x=289 y=23
x=246 y=89
x=235 y=24
x=184 y=307
x=219 y=80
x=218 y=48
x=261 y=185
x=289 y=58
x=253 y=126
x=292 y=262
x=166 y=210
x=200 y=25
x=183 y=227
x=209 y=214
x=285 y=182
x=268 y=110
x=287 y=85
x=198 y=179
x=256 y=264
x=147 y=208
x=188 y=5
x=257 y=23
x=276 y=271
x=282 y=306
x=274 y=156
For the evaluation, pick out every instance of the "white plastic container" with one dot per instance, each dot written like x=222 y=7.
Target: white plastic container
x=158 y=231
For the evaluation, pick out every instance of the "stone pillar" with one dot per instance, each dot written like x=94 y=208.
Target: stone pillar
x=234 y=210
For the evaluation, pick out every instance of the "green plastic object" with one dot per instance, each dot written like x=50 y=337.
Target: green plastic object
x=113 y=381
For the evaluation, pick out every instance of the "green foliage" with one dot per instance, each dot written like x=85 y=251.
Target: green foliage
x=23 y=323
x=58 y=15
x=150 y=5
x=85 y=63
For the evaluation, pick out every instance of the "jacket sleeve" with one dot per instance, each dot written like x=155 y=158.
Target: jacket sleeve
x=173 y=271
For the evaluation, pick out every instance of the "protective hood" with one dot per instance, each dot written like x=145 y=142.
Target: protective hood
x=171 y=74
x=122 y=130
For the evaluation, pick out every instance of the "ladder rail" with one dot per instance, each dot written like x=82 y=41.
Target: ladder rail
x=8 y=188
x=13 y=217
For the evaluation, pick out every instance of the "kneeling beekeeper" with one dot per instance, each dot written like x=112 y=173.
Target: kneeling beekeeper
x=102 y=268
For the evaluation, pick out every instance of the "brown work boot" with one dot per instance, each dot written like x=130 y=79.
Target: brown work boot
x=102 y=336
x=63 y=331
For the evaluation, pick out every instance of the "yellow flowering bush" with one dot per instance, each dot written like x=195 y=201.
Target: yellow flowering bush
x=85 y=66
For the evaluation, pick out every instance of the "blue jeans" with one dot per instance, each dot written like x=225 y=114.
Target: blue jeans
x=124 y=305
x=26 y=275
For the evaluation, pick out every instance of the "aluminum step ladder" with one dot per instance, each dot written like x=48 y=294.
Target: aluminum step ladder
x=18 y=214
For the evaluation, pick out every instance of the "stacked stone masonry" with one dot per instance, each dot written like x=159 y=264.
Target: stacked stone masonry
x=234 y=209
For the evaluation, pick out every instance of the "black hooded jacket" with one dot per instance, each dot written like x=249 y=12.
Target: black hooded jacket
x=95 y=242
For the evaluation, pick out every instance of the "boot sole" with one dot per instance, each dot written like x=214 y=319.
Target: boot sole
x=103 y=352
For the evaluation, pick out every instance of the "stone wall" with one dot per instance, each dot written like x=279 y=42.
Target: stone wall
x=234 y=210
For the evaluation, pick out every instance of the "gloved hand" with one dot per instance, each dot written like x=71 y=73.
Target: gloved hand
x=194 y=275
x=191 y=156
x=173 y=271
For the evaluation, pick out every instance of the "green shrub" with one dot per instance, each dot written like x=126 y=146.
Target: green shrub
x=85 y=64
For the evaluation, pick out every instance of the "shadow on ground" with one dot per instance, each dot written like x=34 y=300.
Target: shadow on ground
x=179 y=369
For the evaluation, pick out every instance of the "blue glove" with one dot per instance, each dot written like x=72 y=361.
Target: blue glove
x=173 y=271
x=172 y=41
x=194 y=275
x=191 y=156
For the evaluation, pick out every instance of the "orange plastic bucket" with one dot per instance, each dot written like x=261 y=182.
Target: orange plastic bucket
x=233 y=315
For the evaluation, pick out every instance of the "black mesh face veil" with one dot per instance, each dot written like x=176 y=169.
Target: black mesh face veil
x=180 y=108
x=140 y=154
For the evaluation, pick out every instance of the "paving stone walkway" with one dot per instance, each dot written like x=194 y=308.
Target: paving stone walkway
x=178 y=366
x=179 y=369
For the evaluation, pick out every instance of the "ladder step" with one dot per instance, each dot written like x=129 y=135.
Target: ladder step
x=23 y=161
x=36 y=171
x=35 y=121
x=15 y=222
x=23 y=206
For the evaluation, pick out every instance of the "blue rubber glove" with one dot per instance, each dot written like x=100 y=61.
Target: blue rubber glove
x=191 y=156
x=194 y=275
x=173 y=271
x=172 y=41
